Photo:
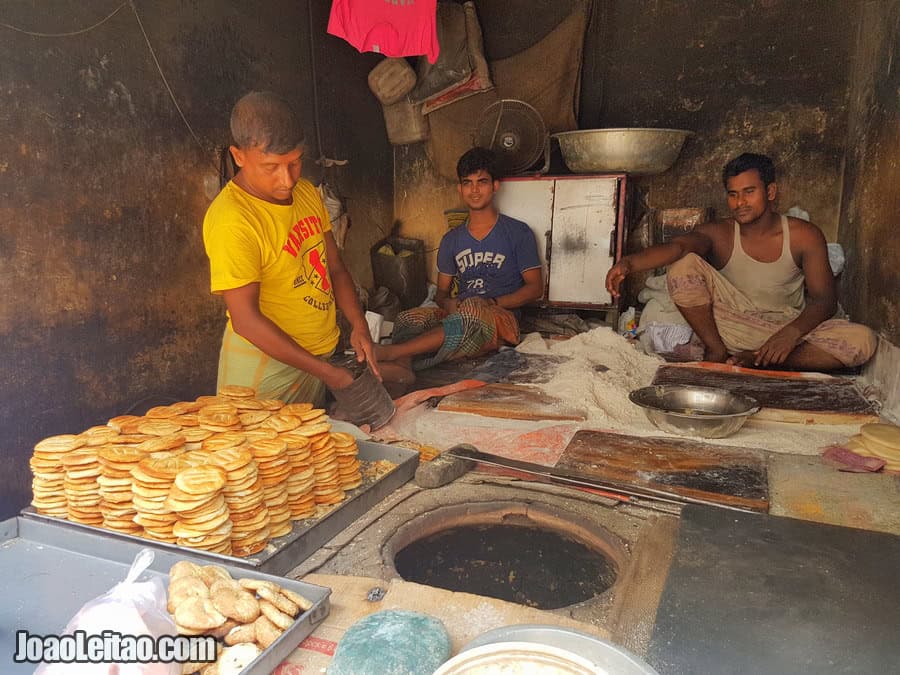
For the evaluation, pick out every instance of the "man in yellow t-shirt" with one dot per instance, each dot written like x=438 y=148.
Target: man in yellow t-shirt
x=275 y=261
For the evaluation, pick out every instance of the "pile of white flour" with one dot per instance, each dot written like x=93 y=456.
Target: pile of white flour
x=602 y=368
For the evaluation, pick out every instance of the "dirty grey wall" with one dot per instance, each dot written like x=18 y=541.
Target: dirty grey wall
x=871 y=200
x=103 y=189
x=768 y=76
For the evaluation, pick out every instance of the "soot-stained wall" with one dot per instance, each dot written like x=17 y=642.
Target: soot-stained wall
x=766 y=76
x=103 y=189
x=870 y=209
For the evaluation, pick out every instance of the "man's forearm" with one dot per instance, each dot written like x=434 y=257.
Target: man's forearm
x=520 y=297
x=815 y=312
x=266 y=336
x=654 y=256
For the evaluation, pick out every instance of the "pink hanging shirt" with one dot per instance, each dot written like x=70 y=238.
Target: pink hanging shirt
x=390 y=27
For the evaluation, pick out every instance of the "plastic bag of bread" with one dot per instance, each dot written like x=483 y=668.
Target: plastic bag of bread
x=131 y=607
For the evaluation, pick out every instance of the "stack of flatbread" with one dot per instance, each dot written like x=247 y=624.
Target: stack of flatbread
x=224 y=473
x=116 y=497
x=328 y=489
x=152 y=480
x=48 y=485
x=203 y=519
x=274 y=470
x=244 y=495
x=302 y=480
x=346 y=452
x=80 y=484
x=878 y=440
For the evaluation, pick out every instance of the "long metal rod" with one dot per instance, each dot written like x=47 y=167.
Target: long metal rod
x=557 y=475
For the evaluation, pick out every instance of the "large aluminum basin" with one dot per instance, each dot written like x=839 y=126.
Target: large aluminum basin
x=639 y=152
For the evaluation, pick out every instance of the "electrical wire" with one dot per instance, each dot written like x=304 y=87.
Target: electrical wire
x=140 y=23
x=163 y=76
x=70 y=33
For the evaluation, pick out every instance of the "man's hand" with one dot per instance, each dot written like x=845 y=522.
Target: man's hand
x=338 y=378
x=361 y=341
x=777 y=348
x=616 y=276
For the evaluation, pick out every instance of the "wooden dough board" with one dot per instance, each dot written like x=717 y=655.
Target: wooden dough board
x=511 y=401
x=804 y=398
x=714 y=473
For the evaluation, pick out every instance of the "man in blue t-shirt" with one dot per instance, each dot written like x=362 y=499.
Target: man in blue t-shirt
x=495 y=261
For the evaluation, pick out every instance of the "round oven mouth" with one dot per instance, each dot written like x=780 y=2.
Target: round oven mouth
x=531 y=554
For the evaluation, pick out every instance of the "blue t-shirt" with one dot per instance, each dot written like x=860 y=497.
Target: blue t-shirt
x=493 y=266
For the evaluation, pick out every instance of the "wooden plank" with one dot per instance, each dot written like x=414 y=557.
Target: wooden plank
x=715 y=473
x=804 y=398
x=511 y=401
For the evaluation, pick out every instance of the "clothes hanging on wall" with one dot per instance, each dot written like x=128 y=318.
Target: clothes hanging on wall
x=461 y=70
x=390 y=27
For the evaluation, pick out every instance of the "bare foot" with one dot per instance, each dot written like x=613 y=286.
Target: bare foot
x=716 y=355
x=396 y=372
x=384 y=352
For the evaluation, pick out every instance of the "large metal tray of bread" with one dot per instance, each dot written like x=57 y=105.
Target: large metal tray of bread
x=307 y=536
x=48 y=573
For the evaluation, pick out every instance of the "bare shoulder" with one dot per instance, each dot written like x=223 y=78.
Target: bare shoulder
x=717 y=230
x=805 y=233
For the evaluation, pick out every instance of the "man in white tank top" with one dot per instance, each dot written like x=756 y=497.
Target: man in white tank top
x=756 y=288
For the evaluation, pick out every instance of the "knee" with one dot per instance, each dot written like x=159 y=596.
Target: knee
x=404 y=317
x=857 y=344
x=689 y=264
x=686 y=277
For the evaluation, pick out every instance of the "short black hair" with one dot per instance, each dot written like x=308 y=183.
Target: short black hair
x=264 y=120
x=475 y=160
x=746 y=162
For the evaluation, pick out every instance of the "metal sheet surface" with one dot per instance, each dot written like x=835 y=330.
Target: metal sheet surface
x=284 y=553
x=47 y=573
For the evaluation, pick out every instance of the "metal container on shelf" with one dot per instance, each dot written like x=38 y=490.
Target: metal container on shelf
x=637 y=152
x=405 y=122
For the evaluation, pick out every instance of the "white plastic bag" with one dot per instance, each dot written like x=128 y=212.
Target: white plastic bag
x=131 y=607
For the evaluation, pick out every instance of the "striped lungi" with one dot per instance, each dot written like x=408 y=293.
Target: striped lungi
x=242 y=363
x=693 y=282
x=476 y=327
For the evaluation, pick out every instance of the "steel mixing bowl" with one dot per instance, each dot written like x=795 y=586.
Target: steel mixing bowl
x=639 y=152
x=707 y=412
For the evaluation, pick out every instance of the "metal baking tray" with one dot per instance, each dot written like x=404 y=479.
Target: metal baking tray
x=48 y=573
x=284 y=553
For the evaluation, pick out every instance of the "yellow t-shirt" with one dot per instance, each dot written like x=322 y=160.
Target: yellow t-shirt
x=251 y=240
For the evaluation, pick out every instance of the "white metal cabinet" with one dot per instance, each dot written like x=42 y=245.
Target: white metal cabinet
x=578 y=224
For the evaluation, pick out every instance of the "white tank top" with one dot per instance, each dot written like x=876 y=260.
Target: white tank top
x=774 y=286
